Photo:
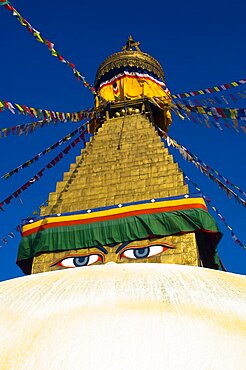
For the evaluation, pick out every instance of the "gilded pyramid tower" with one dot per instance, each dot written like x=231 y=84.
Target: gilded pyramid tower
x=124 y=199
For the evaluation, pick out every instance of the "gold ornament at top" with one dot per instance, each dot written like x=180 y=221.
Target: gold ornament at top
x=130 y=44
x=132 y=58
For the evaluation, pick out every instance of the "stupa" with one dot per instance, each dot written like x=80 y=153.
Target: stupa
x=124 y=200
x=146 y=295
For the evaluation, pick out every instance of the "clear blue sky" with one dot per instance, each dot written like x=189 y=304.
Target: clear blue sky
x=199 y=44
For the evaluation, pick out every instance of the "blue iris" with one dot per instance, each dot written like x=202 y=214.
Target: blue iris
x=141 y=252
x=81 y=261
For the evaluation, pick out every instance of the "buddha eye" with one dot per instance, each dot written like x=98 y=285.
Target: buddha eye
x=79 y=261
x=144 y=252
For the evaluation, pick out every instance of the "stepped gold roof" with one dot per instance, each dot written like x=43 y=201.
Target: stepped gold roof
x=124 y=162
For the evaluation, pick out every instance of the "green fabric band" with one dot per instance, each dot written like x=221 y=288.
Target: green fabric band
x=117 y=231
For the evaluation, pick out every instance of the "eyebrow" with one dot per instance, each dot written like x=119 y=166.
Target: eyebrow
x=102 y=249
x=121 y=247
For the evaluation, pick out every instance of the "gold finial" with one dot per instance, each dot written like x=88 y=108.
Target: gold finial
x=131 y=55
x=130 y=44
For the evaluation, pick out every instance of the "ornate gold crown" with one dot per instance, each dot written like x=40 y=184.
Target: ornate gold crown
x=132 y=58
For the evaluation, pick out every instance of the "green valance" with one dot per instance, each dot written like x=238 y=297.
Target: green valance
x=119 y=230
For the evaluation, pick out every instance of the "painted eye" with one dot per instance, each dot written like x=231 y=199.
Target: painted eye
x=145 y=252
x=79 y=261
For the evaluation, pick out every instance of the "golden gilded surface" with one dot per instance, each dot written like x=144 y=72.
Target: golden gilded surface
x=180 y=250
x=124 y=162
x=130 y=58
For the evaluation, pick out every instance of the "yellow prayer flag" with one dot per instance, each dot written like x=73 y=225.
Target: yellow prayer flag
x=34 y=111
x=180 y=115
x=216 y=88
x=233 y=113
x=201 y=92
x=38 y=37
x=22 y=20
x=235 y=83
x=19 y=107
x=16 y=14
x=53 y=52
x=201 y=110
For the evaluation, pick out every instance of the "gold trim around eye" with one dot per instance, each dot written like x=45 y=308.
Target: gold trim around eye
x=77 y=255
x=169 y=246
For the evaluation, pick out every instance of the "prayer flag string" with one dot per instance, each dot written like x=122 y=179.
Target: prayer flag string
x=210 y=90
x=28 y=128
x=214 y=100
x=50 y=45
x=197 y=159
x=38 y=176
x=11 y=234
x=44 y=152
x=207 y=167
x=25 y=128
x=44 y=113
x=216 y=113
x=218 y=213
x=188 y=156
x=17 y=229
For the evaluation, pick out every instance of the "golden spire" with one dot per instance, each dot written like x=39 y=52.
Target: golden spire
x=130 y=44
